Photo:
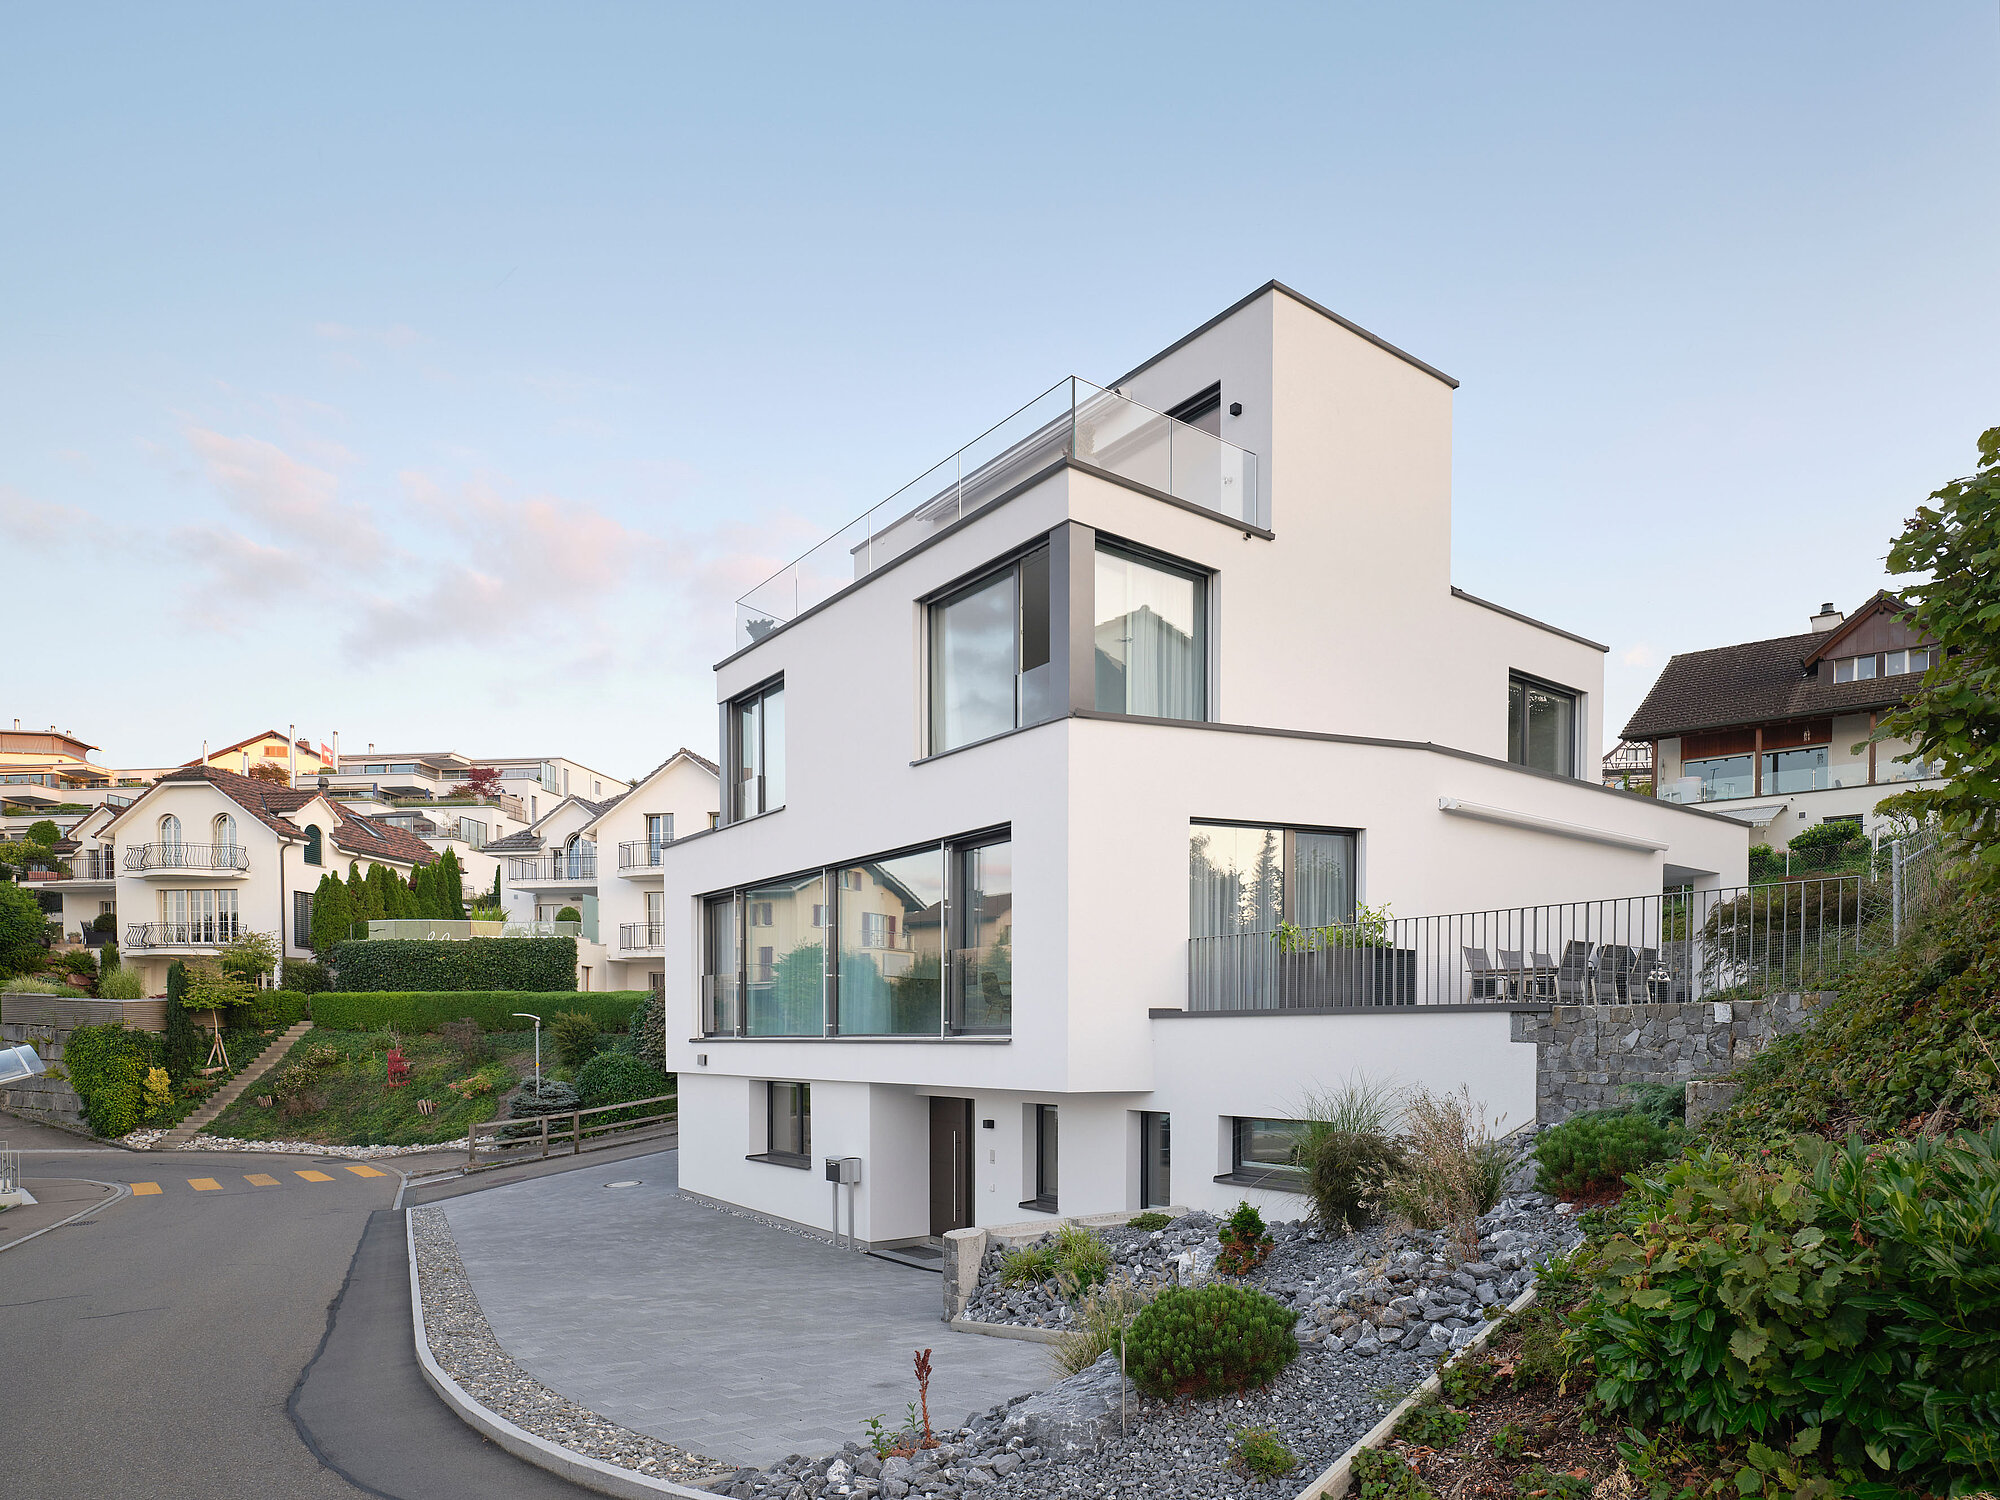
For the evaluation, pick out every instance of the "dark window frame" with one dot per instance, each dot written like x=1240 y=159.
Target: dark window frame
x=1030 y=633
x=734 y=781
x=801 y=1158
x=1572 y=749
x=1048 y=1158
x=1273 y=1173
x=1203 y=580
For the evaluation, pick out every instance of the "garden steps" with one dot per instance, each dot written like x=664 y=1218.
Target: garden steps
x=231 y=1091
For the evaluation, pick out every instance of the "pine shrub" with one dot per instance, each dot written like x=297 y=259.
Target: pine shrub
x=576 y=1037
x=1592 y=1153
x=1244 y=1241
x=1209 y=1341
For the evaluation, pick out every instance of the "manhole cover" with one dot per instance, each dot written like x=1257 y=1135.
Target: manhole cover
x=621 y=1184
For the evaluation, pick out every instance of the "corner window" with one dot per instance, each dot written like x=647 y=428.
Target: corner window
x=1541 y=726
x=1250 y=879
x=990 y=655
x=755 y=754
x=982 y=938
x=1151 y=635
x=789 y=1120
x=1268 y=1147
x=1722 y=777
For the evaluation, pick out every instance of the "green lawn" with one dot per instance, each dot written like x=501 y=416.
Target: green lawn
x=361 y=1110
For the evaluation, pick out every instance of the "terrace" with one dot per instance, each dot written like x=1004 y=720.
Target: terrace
x=1071 y=422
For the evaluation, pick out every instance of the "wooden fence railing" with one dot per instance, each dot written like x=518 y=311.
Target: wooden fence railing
x=578 y=1130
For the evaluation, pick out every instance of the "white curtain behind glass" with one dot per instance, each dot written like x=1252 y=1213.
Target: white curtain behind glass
x=1148 y=643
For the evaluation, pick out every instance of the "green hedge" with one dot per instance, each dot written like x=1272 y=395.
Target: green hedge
x=107 y=1068
x=402 y=965
x=492 y=1009
x=280 y=1008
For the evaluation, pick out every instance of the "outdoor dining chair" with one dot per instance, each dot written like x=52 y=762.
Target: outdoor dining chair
x=1573 y=977
x=1486 y=980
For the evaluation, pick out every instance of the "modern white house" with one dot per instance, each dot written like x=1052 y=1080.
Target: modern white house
x=1154 y=671
x=679 y=796
x=1777 y=733
x=205 y=854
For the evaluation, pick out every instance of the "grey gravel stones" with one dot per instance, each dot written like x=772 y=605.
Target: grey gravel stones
x=1377 y=1313
x=464 y=1346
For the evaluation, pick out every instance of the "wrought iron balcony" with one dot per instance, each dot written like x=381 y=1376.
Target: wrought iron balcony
x=641 y=854
x=93 y=864
x=641 y=937
x=206 y=932
x=225 y=857
x=555 y=868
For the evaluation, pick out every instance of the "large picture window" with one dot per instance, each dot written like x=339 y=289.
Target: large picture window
x=1541 y=726
x=1269 y=1148
x=1252 y=879
x=1722 y=776
x=756 y=752
x=1151 y=638
x=990 y=655
x=871 y=948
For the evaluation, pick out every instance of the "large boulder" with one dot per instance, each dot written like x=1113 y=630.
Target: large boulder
x=1076 y=1415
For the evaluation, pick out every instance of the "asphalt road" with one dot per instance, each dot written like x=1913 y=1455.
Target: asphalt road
x=252 y=1339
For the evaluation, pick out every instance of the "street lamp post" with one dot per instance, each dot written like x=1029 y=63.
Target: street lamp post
x=529 y=1016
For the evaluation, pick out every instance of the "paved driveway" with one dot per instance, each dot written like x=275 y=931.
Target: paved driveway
x=719 y=1333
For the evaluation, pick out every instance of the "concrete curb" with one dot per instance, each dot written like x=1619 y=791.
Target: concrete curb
x=118 y=1190
x=591 y=1473
x=1334 y=1483
x=1007 y=1331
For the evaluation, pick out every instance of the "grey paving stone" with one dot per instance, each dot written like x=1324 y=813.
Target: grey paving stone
x=712 y=1331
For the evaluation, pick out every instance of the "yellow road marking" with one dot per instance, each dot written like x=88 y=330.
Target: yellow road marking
x=260 y=1179
x=204 y=1184
x=145 y=1189
x=366 y=1172
x=313 y=1176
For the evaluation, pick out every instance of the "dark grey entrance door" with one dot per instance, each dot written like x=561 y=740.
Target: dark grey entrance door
x=951 y=1165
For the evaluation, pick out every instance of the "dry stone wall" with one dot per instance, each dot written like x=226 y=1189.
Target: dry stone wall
x=1586 y=1054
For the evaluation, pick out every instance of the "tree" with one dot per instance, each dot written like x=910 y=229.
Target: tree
x=480 y=781
x=182 y=1046
x=271 y=770
x=249 y=956
x=332 y=914
x=24 y=931
x=495 y=901
x=1954 y=716
x=357 y=893
x=420 y=891
x=451 y=885
x=44 y=832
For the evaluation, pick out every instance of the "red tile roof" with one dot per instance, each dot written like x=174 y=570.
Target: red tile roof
x=353 y=833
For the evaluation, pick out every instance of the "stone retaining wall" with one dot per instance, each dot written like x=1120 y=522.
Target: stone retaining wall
x=48 y=1099
x=1585 y=1054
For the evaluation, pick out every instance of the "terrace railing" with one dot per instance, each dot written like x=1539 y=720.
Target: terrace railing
x=93 y=864
x=1676 y=946
x=641 y=937
x=642 y=854
x=205 y=932
x=1072 y=420
x=186 y=857
x=576 y=864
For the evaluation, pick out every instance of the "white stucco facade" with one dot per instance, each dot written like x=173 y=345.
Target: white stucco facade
x=1350 y=694
x=678 y=797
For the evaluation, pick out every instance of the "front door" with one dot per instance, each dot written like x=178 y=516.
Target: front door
x=951 y=1165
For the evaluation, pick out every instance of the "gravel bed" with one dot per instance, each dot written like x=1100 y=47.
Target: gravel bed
x=145 y=1140
x=464 y=1346
x=1378 y=1311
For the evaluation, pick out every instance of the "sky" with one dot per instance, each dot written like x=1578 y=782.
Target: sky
x=440 y=375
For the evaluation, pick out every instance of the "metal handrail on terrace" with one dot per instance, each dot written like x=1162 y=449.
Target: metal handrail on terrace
x=641 y=854
x=578 y=864
x=1072 y=419
x=641 y=937
x=1675 y=946
x=186 y=857
x=208 y=932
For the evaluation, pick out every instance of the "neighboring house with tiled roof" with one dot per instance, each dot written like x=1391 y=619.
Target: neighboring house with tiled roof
x=635 y=834
x=205 y=854
x=1776 y=732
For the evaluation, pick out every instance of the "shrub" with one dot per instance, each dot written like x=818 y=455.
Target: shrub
x=1592 y=1153
x=1845 y=1295
x=1453 y=1168
x=426 y=1010
x=35 y=984
x=553 y=1097
x=1098 y=1320
x=574 y=1033
x=1382 y=1475
x=107 y=1067
x=104 y=921
x=1348 y=1153
x=466 y=1035
x=120 y=984
x=180 y=1048
x=1027 y=1264
x=1432 y=1424
x=1207 y=1340
x=1666 y=1103
x=1148 y=1221
x=303 y=977
x=1545 y=1483
x=538 y=965
x=159 y=1093
x=569 y=914
x=1261 y=1454
x=1244 y=1242
x=1072 y=1256
x=24 y=930
x=648 y=1029
x=614 y=1077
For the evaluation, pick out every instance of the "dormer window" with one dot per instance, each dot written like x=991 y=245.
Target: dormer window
x=313 y=845
x=1886 y=664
